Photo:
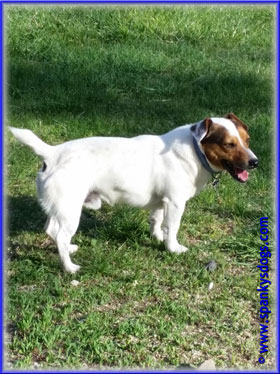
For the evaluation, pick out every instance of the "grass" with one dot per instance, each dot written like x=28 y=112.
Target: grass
x=82 y=71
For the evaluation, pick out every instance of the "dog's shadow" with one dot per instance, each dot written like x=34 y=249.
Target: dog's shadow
x=23 y=213
x=118 y=224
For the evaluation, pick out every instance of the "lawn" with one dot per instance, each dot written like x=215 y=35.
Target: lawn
x=123 y=71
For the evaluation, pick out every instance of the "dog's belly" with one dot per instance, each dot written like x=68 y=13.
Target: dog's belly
x=136 y=199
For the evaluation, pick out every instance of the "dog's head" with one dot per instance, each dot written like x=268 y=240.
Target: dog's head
x=225 y=143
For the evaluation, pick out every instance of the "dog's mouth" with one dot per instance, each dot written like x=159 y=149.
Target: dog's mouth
x=240 y=174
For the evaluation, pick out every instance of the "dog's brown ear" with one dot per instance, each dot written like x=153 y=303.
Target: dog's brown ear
x=201 y=129
x=236 y=120
x=208 y=122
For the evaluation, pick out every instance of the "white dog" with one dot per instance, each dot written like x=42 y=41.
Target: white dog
x=156 y=172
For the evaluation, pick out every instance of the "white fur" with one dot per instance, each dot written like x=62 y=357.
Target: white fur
x=156 y=172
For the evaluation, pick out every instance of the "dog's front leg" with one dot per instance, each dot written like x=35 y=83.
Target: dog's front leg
x=156 y=219
x=173 y=212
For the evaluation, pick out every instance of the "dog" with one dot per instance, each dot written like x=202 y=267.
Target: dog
x=160 y=173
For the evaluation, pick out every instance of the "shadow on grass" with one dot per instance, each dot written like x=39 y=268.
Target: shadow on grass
x=24 y=214
x=127 y=90
x=117 y=224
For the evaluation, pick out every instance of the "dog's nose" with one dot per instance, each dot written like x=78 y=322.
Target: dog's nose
x=253 y=163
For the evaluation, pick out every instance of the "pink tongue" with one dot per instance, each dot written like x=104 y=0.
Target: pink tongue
x=242 y=174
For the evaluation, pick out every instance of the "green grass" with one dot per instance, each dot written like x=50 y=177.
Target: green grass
x=82 y=71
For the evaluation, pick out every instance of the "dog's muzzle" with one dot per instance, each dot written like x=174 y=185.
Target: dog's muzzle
x=253 y=163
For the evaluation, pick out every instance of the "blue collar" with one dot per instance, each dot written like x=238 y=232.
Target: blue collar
x=202 y=158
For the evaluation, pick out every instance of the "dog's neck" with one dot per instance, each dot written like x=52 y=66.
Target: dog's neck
x=203 y=159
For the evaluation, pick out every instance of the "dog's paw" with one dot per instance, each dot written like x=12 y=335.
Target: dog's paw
x=158 y=235
x=73 y=248
x=178 y=249
x=72 y=268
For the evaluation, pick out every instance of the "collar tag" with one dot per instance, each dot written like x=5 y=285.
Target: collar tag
x=216 y=182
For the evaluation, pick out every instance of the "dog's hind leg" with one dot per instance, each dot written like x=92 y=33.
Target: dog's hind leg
x=63 y=242
x=52 y=228
x=156 y=219
x=68 y=224
x=93 y=201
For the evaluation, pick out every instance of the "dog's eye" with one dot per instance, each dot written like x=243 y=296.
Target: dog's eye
x=229 y=145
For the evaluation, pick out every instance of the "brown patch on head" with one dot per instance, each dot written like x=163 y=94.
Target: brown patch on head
x=223 y=148
x=241 y=128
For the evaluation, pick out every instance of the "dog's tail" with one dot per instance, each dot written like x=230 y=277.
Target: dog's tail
x=27 y=137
